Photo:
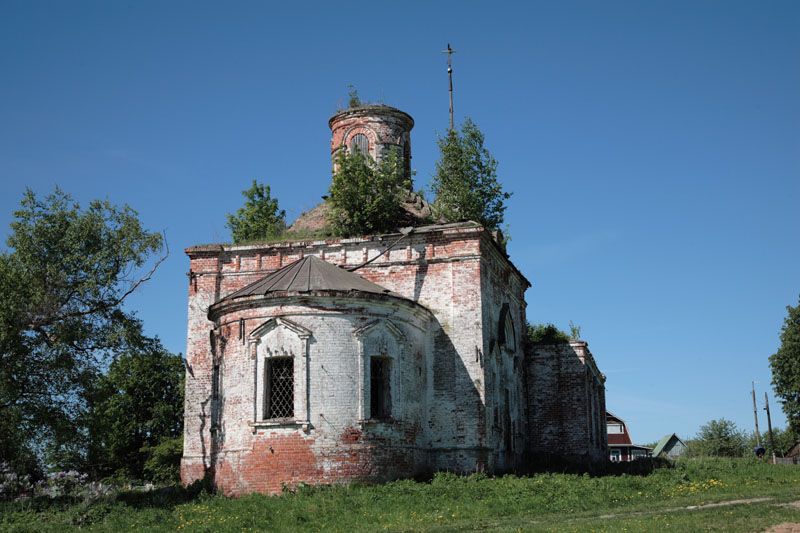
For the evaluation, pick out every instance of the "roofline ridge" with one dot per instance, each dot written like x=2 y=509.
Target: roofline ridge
x=280 y=275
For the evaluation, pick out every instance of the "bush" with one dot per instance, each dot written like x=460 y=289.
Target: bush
x=545 y=334
x=67 y=483
x=14 y=485
x=163 y=464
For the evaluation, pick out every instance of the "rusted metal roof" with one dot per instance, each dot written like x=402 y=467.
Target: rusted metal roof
x=309 y=274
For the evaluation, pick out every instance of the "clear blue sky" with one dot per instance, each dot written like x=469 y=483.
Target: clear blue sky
x=653 y=149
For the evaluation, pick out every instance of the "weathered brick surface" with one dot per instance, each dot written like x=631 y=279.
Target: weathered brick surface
x=441 y=331
x=566 y=402
x=385 y=127
x=464 y=397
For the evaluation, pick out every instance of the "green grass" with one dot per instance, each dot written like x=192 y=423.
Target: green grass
x=541 y=502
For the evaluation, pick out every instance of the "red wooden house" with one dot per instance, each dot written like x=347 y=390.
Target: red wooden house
x=620 y=445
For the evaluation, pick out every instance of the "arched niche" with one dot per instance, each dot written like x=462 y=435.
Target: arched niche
x=278 y=349
x=506 y=333
x=381 y=350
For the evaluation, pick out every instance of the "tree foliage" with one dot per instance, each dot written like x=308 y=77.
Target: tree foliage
x=720 y=438
x=545 y=334
x=136 y=406
x=783 y=438
x=64 y=278
x=785 y=365
x=259 y=218
x=365 y=197
x=465 y=183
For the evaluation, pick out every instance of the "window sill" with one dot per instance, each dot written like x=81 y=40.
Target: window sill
x=280 y=423
x=376 y=421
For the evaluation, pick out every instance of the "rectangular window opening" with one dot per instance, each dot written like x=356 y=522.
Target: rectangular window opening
x=615 y=429
x=279 y=388
x=380 y=404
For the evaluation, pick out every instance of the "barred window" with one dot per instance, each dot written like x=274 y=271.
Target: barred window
x=279 y=388
x=360 y=144
x=380 y=404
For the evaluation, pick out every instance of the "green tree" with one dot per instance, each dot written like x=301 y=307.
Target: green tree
x=64 y=278
x=784 y=439
x=136 y=413
x=785 y=365
x=365 y=197
x=14 y=448
x=259 y=218
x=465 y=183
x=720 y=438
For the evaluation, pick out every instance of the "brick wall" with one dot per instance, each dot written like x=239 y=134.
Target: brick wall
x=383 y=126
x=566 y=402
x=503 y=354
x=329 y=438
x=459 y=400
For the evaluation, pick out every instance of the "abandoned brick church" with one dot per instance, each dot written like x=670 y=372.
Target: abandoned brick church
x=376 y=357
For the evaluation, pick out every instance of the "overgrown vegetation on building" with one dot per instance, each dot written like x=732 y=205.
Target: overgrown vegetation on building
x=545 y=334
x=365 y=197
x=259 y=218
x=465 y=184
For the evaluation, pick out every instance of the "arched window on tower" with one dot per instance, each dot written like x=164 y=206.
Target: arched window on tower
x=359 y=143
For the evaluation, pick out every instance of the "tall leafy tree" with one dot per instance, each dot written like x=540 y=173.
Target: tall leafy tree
x=365 y=197
x=465 y=184
x=64 y=278
x=720 y=438
x=259 y=218
x=135 y=407
x=785 y=365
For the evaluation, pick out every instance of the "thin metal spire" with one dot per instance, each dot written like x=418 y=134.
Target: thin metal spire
x=450 y=53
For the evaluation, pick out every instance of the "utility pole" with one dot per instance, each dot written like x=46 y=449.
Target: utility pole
x=450 y=53
x=769 y=425
x=755 y=414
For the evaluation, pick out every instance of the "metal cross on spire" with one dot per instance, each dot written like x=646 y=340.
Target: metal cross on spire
x=450 y=53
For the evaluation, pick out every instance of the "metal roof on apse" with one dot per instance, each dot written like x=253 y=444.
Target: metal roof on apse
x=309 y=274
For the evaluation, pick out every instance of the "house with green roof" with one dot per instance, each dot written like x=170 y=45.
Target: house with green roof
x=669 y=446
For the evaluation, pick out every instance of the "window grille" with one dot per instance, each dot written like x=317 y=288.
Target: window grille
x=380 y=402
x=359 y=144
x=279 y=383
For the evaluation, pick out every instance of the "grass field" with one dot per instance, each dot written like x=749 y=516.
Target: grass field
x=540 y=502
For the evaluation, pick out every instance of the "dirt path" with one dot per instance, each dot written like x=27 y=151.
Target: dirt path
x=786 y=527
x=689 y=508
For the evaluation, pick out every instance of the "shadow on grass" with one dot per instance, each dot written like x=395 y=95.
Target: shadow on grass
x=166 y=497
x=553 y=463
